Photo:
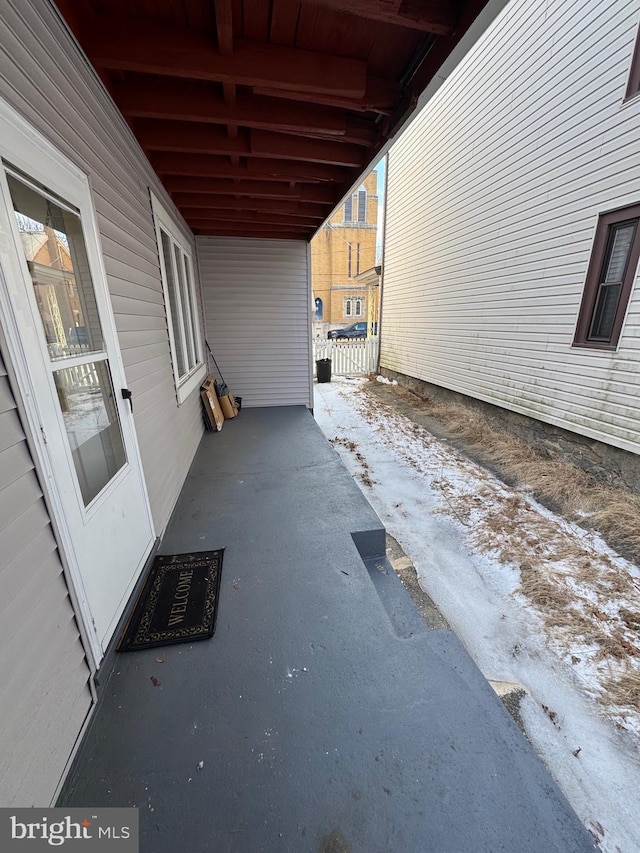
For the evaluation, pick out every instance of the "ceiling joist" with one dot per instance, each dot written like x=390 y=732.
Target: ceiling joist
x=225 y=203
x=175 y=52
x=429 y=16
x=185 y=186
x=263 y=169
x=259 y=115
x=192 y=138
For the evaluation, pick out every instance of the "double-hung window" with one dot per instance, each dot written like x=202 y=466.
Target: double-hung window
x=612 y=269
x=633 y=83
x=181 y=303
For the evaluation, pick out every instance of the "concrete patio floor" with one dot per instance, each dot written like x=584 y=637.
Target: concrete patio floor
x=323 y=715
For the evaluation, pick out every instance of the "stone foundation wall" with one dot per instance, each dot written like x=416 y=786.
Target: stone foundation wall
x=608 y=464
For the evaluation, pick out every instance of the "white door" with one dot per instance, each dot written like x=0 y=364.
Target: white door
x=61 y=329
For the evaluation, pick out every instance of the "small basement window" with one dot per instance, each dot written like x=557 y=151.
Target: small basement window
x=612 y=270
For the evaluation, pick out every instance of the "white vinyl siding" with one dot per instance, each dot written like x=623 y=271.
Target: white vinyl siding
x=493 y=199
x=45 y=77
x=44 y=676
x=257 y=305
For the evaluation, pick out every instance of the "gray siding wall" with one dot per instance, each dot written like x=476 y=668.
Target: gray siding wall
x=257 y=302
x=493 y=199
x=44 y=694
x=44 y=76
x=44 y=690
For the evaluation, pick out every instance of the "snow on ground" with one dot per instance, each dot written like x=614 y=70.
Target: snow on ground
x=514 y=581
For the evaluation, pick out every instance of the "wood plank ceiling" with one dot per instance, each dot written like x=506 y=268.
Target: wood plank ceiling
x=258 y=115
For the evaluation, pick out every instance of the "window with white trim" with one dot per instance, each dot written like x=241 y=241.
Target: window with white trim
x=353 y=307
x=181 y=303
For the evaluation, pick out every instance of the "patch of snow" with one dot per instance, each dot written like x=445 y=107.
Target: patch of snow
x=450 y=517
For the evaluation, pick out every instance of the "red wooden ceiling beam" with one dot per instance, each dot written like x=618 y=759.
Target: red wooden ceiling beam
x=188 y=138
x=192 y=138
x=258 y=218
x=223 y=222
x=224 y=26
x=226 y=202
x=175 y=52
x=211 y=166
x=429 y=17
x=287 y=146
x=255 y=227
x=381 y=96
x=258 y=189
x=187 y=101
x=202 y=230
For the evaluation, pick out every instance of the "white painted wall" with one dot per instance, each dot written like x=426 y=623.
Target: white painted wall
x=257 y=305
x=493 y=198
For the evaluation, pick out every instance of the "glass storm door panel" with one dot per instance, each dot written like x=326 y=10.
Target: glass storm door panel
x=56 y=256
x=62 y=342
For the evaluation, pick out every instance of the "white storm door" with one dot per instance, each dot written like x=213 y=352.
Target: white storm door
x=56 y=292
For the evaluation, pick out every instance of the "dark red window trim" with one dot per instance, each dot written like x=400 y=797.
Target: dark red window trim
x=633 y=84
x=594 y=275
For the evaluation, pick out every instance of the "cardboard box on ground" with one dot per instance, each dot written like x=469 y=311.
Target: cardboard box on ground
x=217 y=408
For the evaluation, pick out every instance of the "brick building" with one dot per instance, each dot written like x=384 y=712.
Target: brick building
x=343 y=249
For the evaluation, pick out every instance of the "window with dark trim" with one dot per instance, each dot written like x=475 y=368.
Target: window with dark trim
x=349 y=260
x=348 y=209
x=612 y=269
x=633 y=85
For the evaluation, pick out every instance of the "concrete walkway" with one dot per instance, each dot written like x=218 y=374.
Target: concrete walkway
x=323 y=715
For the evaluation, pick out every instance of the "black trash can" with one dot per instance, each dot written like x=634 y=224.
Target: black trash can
x=323 y=370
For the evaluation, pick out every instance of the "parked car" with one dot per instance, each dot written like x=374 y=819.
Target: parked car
x=355 y=330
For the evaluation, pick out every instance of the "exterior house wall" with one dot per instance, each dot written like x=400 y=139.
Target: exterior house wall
x=257 y=307
x=492 y=203
x=44 y=676
x=44 y=76
x=333 y=279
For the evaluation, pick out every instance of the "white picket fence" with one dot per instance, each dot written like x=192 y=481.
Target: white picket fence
x=82 y=376
x=348 y=358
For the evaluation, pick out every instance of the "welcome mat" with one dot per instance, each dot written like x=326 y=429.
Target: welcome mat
x=178 y=603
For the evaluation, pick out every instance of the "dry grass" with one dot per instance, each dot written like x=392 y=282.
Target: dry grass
x=612 y=512
x=588 y=602
x=623 y=690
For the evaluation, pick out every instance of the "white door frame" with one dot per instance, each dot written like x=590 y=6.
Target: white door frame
x=21 y=143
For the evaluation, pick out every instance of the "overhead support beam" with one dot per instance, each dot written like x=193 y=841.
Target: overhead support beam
x=192 y=138
x=202 y=230
x=253 y=226
x=381 y=96
x=189 y=138
x=211 y=166
x=429 y=16
x=186 y=101
x=224 y=203
x=224 y=26
x=181 y=187
x=258 y=219
x=280 y=145
x=176 y=52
